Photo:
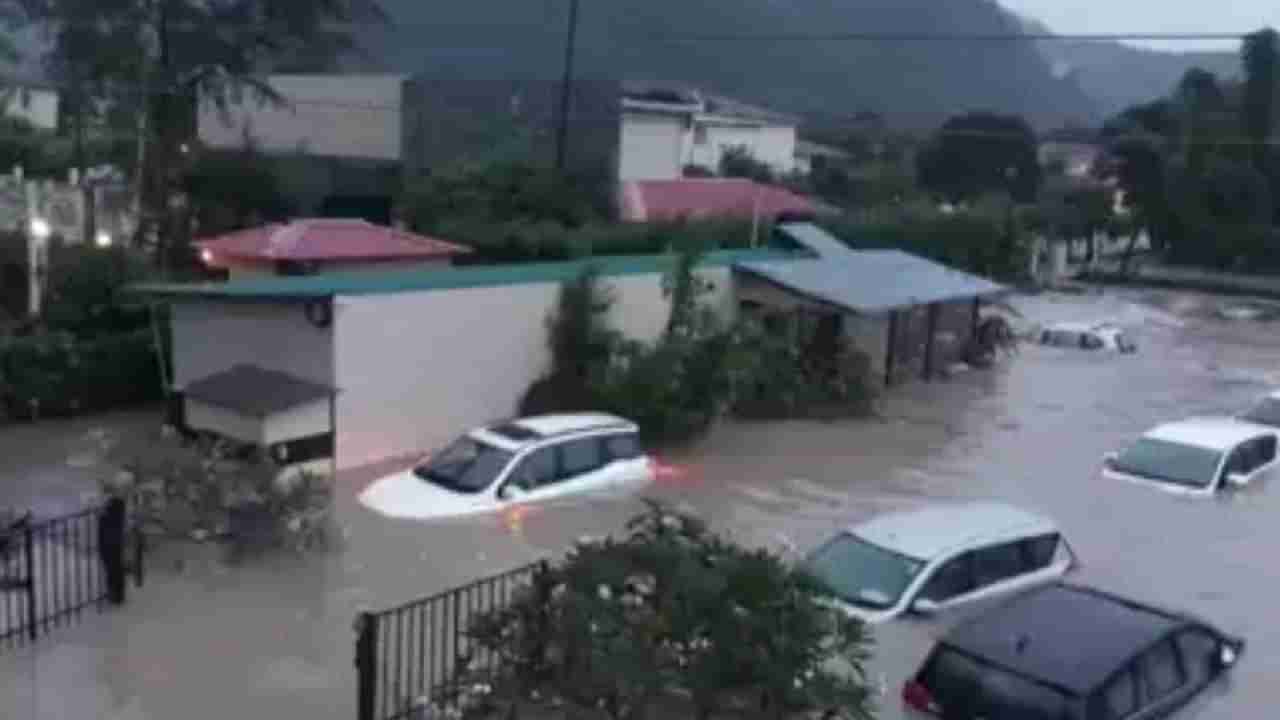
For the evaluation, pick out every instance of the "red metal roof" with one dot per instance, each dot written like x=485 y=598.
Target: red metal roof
x=327 y=239
x=693 y=198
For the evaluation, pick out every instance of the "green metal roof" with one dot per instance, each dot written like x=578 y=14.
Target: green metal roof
x=333 y=284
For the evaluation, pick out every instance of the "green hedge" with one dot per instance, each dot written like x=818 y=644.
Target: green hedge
x=55 y=375
x=520 y=241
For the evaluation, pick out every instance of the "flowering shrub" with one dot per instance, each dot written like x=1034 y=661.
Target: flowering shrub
x=670 y=613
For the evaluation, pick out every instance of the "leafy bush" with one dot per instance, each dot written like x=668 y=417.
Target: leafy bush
x=56 y=375
x=740 y=163
x=670 y=614
x=503 y=193
x=85 y=291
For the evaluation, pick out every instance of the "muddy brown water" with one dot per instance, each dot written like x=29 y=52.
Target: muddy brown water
x=273 y=639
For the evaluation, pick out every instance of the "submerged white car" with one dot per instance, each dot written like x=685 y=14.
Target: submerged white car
x=925 y=561
x=517 y=461
x=1197 y=457
x=1087 y=336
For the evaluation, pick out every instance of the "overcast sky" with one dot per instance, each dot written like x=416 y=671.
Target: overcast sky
x=1153 y=16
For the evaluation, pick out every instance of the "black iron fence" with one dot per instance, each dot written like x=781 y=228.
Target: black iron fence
x=53 y=570
x=406 y=656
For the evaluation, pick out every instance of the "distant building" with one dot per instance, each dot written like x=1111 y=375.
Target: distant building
x=337 y=141
x=31 y=101
x=662 y=131
x=1076 y=158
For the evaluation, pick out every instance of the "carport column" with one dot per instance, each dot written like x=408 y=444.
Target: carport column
x=929 y=341
x=892 y=344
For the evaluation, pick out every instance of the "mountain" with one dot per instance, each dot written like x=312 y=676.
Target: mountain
x=917 y=83
x=1118 y=76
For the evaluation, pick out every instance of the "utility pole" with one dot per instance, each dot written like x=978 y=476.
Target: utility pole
x=566 y=88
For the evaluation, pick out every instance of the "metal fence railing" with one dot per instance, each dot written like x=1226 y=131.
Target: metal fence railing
x=407 y=655
x=52 y=570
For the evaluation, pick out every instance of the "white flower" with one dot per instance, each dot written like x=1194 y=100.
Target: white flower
x=559 y=591
x=808 y=674
x=594 y=628
x=605 y=593
x=671 y=522
x=798 y=683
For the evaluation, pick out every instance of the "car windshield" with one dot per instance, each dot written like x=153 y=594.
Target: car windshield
x=466 y=466
x=1170 y=462
x=1266 y=412
x=861 y=573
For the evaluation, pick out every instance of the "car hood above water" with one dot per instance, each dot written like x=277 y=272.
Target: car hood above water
x=405 y=495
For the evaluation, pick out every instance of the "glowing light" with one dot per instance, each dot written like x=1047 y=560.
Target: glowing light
x=666 y=471
x=40 y=229
x=103 y=239
x=206 y=256
x=513 y=518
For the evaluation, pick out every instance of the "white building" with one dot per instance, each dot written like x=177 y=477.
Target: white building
x=31 y=102
x=336 y=116
x=662 y=131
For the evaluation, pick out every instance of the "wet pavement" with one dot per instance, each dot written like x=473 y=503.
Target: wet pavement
x=274 y=639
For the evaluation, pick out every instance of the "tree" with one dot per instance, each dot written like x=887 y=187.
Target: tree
x=234 y=190
x=1203 y=105
x=738 y=162
x=620 y=626
x=981 y=153
x=1258 y=54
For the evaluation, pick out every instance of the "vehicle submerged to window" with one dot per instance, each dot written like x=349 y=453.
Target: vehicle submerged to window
x=526 y=460
x=925 y=561
x=1065 y=652
x=1084 y=336
x=1197 y=457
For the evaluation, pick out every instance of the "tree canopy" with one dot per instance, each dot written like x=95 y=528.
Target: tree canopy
x=981 y=153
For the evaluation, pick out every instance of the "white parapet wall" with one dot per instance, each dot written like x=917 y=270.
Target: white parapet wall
x=415 y=369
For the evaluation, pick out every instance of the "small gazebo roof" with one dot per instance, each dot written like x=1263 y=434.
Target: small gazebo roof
x=322 y=239
x=256 y=392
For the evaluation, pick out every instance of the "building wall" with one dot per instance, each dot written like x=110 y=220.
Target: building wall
x=210 y=418
x=37 y=106
x=651 y=147
x=210 y=337
x=345 y=116
x=417 y=369
x=772 y=144
x=301 y=422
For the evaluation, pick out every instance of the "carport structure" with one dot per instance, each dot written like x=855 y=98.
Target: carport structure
x=911 y=316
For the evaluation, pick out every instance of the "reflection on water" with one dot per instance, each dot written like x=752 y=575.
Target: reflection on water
x=274 y=639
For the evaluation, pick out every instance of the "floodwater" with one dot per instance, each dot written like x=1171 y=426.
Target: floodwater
x=274 y=639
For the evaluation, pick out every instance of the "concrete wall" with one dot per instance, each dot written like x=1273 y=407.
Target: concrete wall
x=772 y=144
x=211 y=418
x=210 y=337
x=355 y=116
x=651 y=147
x=417 y=369
x=300 y=422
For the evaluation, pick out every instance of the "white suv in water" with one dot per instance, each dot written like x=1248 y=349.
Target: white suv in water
x=945 y=556
x=517 y=461
x=1197 y=457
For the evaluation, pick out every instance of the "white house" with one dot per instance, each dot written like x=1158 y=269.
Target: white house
x=34 y=103
x=663 y=130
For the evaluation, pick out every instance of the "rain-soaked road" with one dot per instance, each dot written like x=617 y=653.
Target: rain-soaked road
x=274 y=640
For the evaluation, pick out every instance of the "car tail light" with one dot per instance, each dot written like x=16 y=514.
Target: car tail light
x=917 y=697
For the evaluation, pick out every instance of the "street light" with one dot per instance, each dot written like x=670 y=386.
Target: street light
x=103 y=239
x=40 y=229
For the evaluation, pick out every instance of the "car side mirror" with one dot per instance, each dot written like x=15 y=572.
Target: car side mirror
x=511 y=492
x=1238 y=480
x=925 y=606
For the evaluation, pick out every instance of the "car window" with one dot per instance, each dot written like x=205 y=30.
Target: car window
x=467 y=466
x=997 y=563
x=1199 y=650
x=1089 y=341
x=1038 y=552
x=622 y=447
x=953 y=579
x=580 y=456
x=537 y=469
x=1162 y=671
x=1264 y=449
x=1266 y=412
x=1120 y=698
x=862 y=573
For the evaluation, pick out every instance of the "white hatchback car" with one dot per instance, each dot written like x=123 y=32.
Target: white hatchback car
x=1087 y=336
x=924 y=561
x=518 y=461
x=1197 y=457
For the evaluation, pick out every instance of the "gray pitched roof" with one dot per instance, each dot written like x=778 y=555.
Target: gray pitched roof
x=863 y=281
x=254 y=391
